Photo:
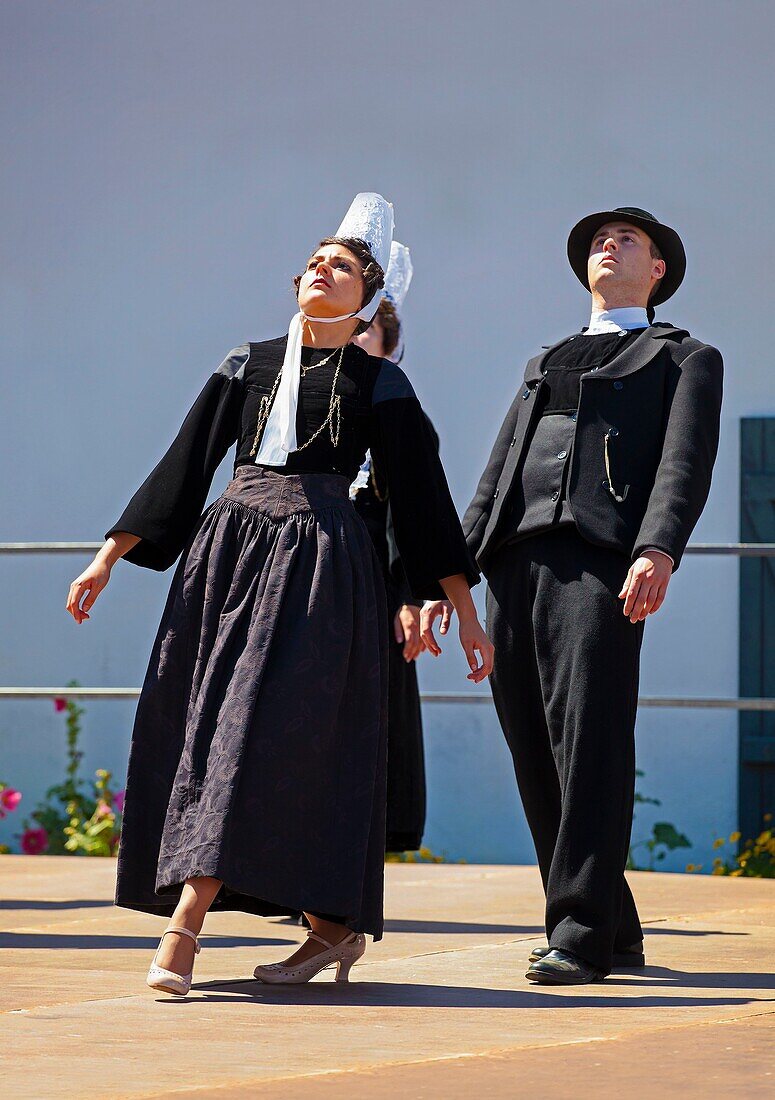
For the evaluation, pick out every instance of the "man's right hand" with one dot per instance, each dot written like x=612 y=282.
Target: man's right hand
x=432 y=610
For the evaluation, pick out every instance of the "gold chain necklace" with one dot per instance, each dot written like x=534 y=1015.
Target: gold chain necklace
x=333 y=421
x=314 y=366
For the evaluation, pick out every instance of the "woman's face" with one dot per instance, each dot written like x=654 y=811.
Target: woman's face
x=372 y=340
x=333 y=284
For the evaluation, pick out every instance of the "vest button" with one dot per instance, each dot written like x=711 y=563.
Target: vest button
x=525 y=395
x=613 y=432
x=495 y=494
x=618 y=385
x=555 y=496
x=514 y=440
x=563 y=454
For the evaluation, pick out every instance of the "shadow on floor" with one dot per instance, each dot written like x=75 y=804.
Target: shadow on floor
x=665 y=978
x=52 y=941
x=448 y=927
x=655 y=930
x=395 y=995
x=75 y=903
x=461 y=927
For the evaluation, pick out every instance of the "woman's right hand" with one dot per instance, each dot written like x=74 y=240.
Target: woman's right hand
x=432 y=610
x=90 y=583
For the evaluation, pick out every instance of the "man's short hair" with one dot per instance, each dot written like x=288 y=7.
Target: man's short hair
x=655 y=255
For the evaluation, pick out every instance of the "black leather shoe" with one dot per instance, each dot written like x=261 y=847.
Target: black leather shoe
x=562 y=968
x=631 y=959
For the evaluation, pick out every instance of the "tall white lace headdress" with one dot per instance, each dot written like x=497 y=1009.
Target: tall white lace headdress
x=397 y=280
x=370 y=218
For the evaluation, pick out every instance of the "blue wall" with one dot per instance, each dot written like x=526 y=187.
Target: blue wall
x=168 y=167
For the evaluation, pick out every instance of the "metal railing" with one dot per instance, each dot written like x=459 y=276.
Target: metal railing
x=735 y=549
x=455 y=697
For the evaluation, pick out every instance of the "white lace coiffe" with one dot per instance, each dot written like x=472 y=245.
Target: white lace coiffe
x=369 y=218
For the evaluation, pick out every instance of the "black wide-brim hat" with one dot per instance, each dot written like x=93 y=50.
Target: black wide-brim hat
x=666 y=239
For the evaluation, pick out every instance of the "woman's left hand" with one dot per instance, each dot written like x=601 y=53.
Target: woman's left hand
x=406 y=626
x=474 y=640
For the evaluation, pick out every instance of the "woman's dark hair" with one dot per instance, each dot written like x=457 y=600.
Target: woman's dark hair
x=373 y=275
x=391 y=326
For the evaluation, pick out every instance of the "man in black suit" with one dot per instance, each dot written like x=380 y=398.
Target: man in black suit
x=594 y=485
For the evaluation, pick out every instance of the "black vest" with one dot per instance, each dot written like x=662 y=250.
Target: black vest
x=539 y=498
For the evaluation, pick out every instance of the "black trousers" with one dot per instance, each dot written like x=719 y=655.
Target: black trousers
x=565 y=684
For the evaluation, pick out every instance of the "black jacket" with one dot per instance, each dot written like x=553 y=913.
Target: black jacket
x=659 y=402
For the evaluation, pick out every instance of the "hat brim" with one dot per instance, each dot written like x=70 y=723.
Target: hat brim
x=666 y=239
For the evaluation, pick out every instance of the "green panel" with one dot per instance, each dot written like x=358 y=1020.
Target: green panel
x=757 y=622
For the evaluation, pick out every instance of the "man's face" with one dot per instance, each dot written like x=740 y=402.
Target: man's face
x=620 y=265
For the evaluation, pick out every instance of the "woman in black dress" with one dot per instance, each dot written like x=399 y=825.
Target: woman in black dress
x=256 y=776
x=406 y=793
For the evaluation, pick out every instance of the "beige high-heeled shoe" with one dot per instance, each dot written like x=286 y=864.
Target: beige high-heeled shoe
x=166 y=980
x=344 y=954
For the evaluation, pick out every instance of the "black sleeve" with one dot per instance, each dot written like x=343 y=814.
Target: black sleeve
x=397 y=572
x=428 y=534
x=165 y=508
x=689 y=450
x=478 y=512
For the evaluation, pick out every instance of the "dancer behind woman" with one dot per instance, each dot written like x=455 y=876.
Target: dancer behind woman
x=406 y=797
x=256 y=777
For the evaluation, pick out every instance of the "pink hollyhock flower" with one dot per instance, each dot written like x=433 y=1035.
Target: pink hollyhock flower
x=9 y=798
x=60 y=704
x=34 y=841
x=118 y=801
x=102 y=809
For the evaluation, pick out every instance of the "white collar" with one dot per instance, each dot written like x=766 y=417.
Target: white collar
x=617 y=320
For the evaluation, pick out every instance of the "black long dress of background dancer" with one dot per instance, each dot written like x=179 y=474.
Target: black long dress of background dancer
x=406 y=789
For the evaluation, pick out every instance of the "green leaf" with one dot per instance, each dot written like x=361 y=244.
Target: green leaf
x=667 y=834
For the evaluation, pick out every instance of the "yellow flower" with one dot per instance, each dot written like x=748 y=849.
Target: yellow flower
x=734 y=837
x=719 y=843
x=768 y=817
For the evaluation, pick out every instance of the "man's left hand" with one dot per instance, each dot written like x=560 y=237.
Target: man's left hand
x=646 y=584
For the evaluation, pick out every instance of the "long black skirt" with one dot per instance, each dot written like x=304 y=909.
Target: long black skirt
x=258 y=753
